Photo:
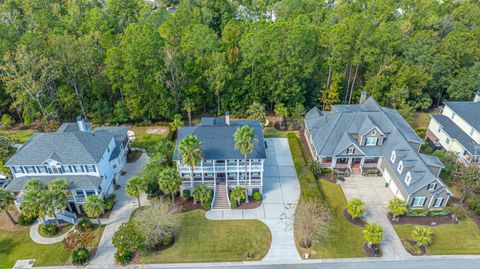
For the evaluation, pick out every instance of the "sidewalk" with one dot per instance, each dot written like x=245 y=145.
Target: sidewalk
x=124 y=206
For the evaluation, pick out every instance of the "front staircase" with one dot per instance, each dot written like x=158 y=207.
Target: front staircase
x=221 y=199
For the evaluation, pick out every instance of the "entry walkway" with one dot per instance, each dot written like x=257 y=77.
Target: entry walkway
x=281 y=191
x=124 y=206
x=372 y=191
x=37 y=238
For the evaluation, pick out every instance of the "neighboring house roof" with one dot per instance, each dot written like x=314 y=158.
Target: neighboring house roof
x=74 y=181
x=453 y=131
x=468 y=111
x=217 y=139
x=71 y=127
x=333 y=130
x=64 y=147
x=120 y=133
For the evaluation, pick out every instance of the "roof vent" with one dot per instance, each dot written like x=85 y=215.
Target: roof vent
x=82 y=127
x=363 y=97
x=227 y=118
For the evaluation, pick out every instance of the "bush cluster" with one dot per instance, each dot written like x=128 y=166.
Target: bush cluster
x=84 y=224
x=26 y=220
x=109 y=201
x=257 y=196
x=123 y=258
x=474 y=203
x=50 y=229
x=80 y=256
x=186 y=194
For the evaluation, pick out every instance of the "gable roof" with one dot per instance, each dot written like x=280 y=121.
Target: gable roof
x=468 y=111
x=65 y=147
x=455 y=132
x=80 y=182
x=217 y=139
x=345 y=123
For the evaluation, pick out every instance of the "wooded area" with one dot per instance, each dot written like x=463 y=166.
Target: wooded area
x=120 y=60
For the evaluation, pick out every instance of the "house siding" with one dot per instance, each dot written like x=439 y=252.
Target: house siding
x=385 y=165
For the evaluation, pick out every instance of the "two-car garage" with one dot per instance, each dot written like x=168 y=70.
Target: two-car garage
x=391 y=184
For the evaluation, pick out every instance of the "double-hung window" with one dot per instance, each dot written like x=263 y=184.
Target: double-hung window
x=371 y=141
x=438 y=202
x=431 y=186
x=350 y=150
x=419 y=201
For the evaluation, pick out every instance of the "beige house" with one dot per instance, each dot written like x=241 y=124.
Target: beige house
x=457 y=129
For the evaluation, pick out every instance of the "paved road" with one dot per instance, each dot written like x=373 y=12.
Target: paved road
x=372 y=191
x=281 y=191
x=426 y=262
x=124 y=205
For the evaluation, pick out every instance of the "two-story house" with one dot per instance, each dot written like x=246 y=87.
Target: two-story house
x=89 y=161
x=457 y=129
x=223 y=166
x=368 y=137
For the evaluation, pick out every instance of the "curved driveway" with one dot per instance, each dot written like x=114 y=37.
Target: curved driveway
x=281 y=191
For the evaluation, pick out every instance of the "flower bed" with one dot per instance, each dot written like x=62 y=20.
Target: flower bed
x=423 y=220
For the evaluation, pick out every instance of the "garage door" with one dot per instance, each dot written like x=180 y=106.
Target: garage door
x=392 y=184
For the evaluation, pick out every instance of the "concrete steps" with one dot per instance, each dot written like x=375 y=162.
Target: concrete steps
x=221 y=199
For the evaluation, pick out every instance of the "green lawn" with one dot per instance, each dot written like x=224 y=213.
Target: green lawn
x=345 y=239
x=463 y=238
x=146 y=136
x=271 y=132
x=18 y=136
x=18 y=245
x=202 y=240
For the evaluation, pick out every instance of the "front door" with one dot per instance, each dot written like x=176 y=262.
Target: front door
x=356 y=162
x=221 y=178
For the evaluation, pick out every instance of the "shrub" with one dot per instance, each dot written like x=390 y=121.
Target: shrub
x=373 y=234
x=311 y=222
x=355 y=208
x=26 y=220
x=127 y=239
x=77 y=239
x=474 y=203
x=123 y=257
x=80 y=256
x=49 y=229
x=109 y=201
x=458 y=211
x=84 y=224
x=7 y=121
x=168 y=240
x=257 y=196
x=186 y=194
x=233 y=203
x=326 y=170
x=315 y=167
x=397 y=207
x=423 y=235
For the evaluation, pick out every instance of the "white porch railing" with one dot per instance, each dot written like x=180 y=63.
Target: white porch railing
x=65 y=215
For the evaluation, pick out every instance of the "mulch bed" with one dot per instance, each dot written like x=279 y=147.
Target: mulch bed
x=137 y=156
x=6 y=224
x=305 y=145
x=358 y=222
x=187 y=205
x=370 y=252
x=412 y=246
x=329 y=177
x=438 y=220
x=473 y=216
x=250 y=205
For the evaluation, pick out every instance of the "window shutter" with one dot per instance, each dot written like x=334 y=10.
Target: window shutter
x=424 y=201
x=413 y=201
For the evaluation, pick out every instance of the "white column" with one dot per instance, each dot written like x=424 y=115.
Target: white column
x=238 y=172
x=250 y=172
x=214 y=173
x=226 y=171
x=362 y=162
x=201 y=169
x=349 y=163
x=334 y=162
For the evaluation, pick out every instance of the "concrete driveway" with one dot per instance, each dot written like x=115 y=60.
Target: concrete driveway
x=372 y=191
x=281 y=192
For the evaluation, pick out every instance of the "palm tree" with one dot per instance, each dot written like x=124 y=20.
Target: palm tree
x=188 y=107
x=238 y=193
x=32 y=197
x=355 y=208
x=176 y=123
x=397 y=207
x=245 y=140
x=135 y=187
x=202 y=193
x=56 y=197
x=6 y=202
x=169 y=181
x=423 y=235
x=373 y=233
x=191 y=154
x=94 y=207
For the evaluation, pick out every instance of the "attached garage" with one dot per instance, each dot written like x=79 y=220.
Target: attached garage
x=391 y=184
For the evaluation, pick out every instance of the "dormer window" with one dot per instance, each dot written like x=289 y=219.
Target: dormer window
x=371 y=141
x=432 y=186
x=392 y=158
x=400 y=167
x=350 y=150
x=408 y=178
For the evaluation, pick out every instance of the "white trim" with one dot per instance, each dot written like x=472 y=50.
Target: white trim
x=393 y=157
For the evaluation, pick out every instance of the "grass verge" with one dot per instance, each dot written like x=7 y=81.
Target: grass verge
x=345 y=239
x=202 y=240
x=460 y=239
x=146 y=136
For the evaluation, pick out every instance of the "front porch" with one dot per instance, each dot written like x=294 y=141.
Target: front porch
x=351 y=165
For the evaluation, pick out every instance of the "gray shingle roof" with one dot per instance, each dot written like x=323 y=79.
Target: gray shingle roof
x=71 y=127
x=120 y=132
x=469 y=111
x=217 y=139
x=67 y=147
x=449 y=127
x=432 y=160
x=75 y=181
x=334 y=130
